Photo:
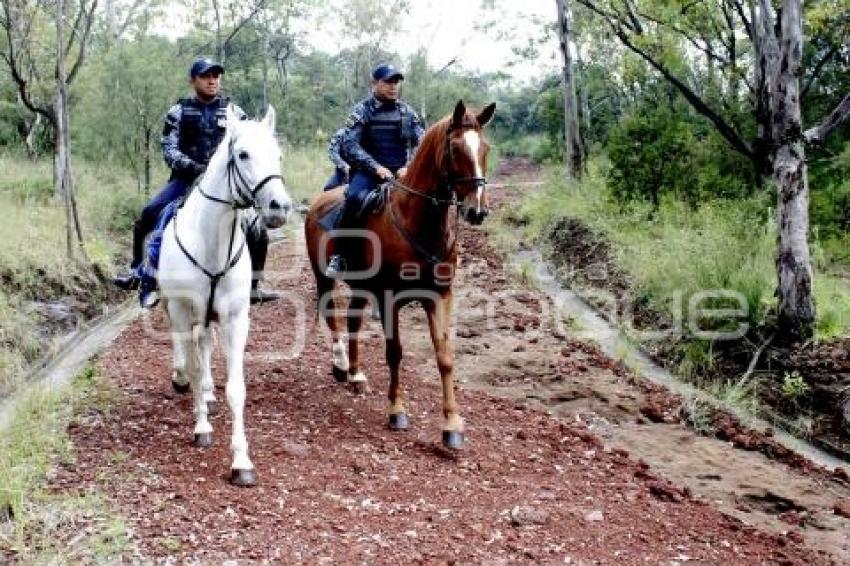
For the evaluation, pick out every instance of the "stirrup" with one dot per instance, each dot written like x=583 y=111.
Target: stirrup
x=260 y=295
x=336 y=267
x=148 y=297
x=130 y=281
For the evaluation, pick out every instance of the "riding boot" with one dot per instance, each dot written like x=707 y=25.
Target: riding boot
x=257 y=240
x=130 y=281
x=337 y=264
x=140 y=231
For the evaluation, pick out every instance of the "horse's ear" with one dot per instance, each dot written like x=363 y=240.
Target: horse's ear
x=232 y=118
x=486 y=115
x=459 y=113
x=271 y=118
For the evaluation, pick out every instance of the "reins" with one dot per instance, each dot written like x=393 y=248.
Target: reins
x=247 y=201
x=446 y=185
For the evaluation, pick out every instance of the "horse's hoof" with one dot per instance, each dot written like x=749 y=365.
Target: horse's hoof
x=203 y=440
x=453 y=439
x=181 y=388
x=340 y=375
x=399 y=421
x=243 y=478
x=212 y=408
x=359 y=387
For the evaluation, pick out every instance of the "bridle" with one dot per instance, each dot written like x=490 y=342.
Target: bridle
x=446 y=190
x=446 y=197
x=243 y=197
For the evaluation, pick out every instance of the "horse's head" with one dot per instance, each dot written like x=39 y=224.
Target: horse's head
x=254 y=166
x=466 y=160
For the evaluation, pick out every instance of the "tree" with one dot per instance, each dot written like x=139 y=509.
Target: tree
x=574 y=154
x=368 y=25
x=30 y=64
x=769 y=68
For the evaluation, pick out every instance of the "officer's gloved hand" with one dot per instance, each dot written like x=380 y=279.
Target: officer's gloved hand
x=384 y=174
x=198 y=168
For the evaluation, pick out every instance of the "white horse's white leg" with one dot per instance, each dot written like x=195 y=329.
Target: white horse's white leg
x=203 y=428
x=181 y=338
x=235 y=335
x=207 y=383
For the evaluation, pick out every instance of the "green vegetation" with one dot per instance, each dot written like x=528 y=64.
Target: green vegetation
x=305 y=170
x=794 y=385
x=33 y=263
x=672 y=251
x=36 y=525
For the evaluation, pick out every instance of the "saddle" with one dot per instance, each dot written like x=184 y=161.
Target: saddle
x=374 y=203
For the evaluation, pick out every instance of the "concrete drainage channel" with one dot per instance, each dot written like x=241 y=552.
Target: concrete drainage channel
x=612 y=341
x=60 y=368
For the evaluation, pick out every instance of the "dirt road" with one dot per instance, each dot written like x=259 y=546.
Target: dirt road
x=551 y=473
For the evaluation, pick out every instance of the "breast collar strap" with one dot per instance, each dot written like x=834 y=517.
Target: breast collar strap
x=214 y=277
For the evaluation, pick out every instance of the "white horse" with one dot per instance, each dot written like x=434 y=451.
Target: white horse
x=205 y=272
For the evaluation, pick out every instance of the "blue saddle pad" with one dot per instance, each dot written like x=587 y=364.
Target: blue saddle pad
x=155 y=240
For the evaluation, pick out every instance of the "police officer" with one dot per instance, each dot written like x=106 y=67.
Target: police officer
x=193 y=129
x=379 y=139
x=341 y=166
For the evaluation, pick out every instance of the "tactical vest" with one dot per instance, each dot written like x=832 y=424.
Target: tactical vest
x=382 y=137
x=202 y=127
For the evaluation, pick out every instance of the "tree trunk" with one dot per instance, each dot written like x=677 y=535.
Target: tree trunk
x=793 y=263
x=63 y=184
x=29 y=140
x=574 y=154
x=148 y=139
x=60 y=150
x=219 y=44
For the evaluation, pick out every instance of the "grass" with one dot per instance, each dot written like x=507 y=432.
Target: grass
x=36 y=525
x=33 y=261
x=34 y=236
x=305 y=170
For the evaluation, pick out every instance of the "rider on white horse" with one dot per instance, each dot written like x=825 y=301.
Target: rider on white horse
x=204 y=276
x=193 y=129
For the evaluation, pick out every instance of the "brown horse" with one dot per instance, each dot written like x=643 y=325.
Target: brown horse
x=409 y=251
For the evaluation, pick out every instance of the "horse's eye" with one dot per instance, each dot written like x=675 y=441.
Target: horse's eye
x=243 y=155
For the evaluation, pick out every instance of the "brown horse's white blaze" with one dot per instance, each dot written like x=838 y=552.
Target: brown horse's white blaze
x=473 y=142
x=416 y=259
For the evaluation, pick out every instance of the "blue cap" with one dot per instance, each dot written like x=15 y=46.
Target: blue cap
x=386 y=72
x=203 y=65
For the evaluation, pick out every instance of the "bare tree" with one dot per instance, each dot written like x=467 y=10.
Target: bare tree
x=574 y=149
x=778 y=149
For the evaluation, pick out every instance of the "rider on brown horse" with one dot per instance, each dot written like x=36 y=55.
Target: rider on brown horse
x=381 y=135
